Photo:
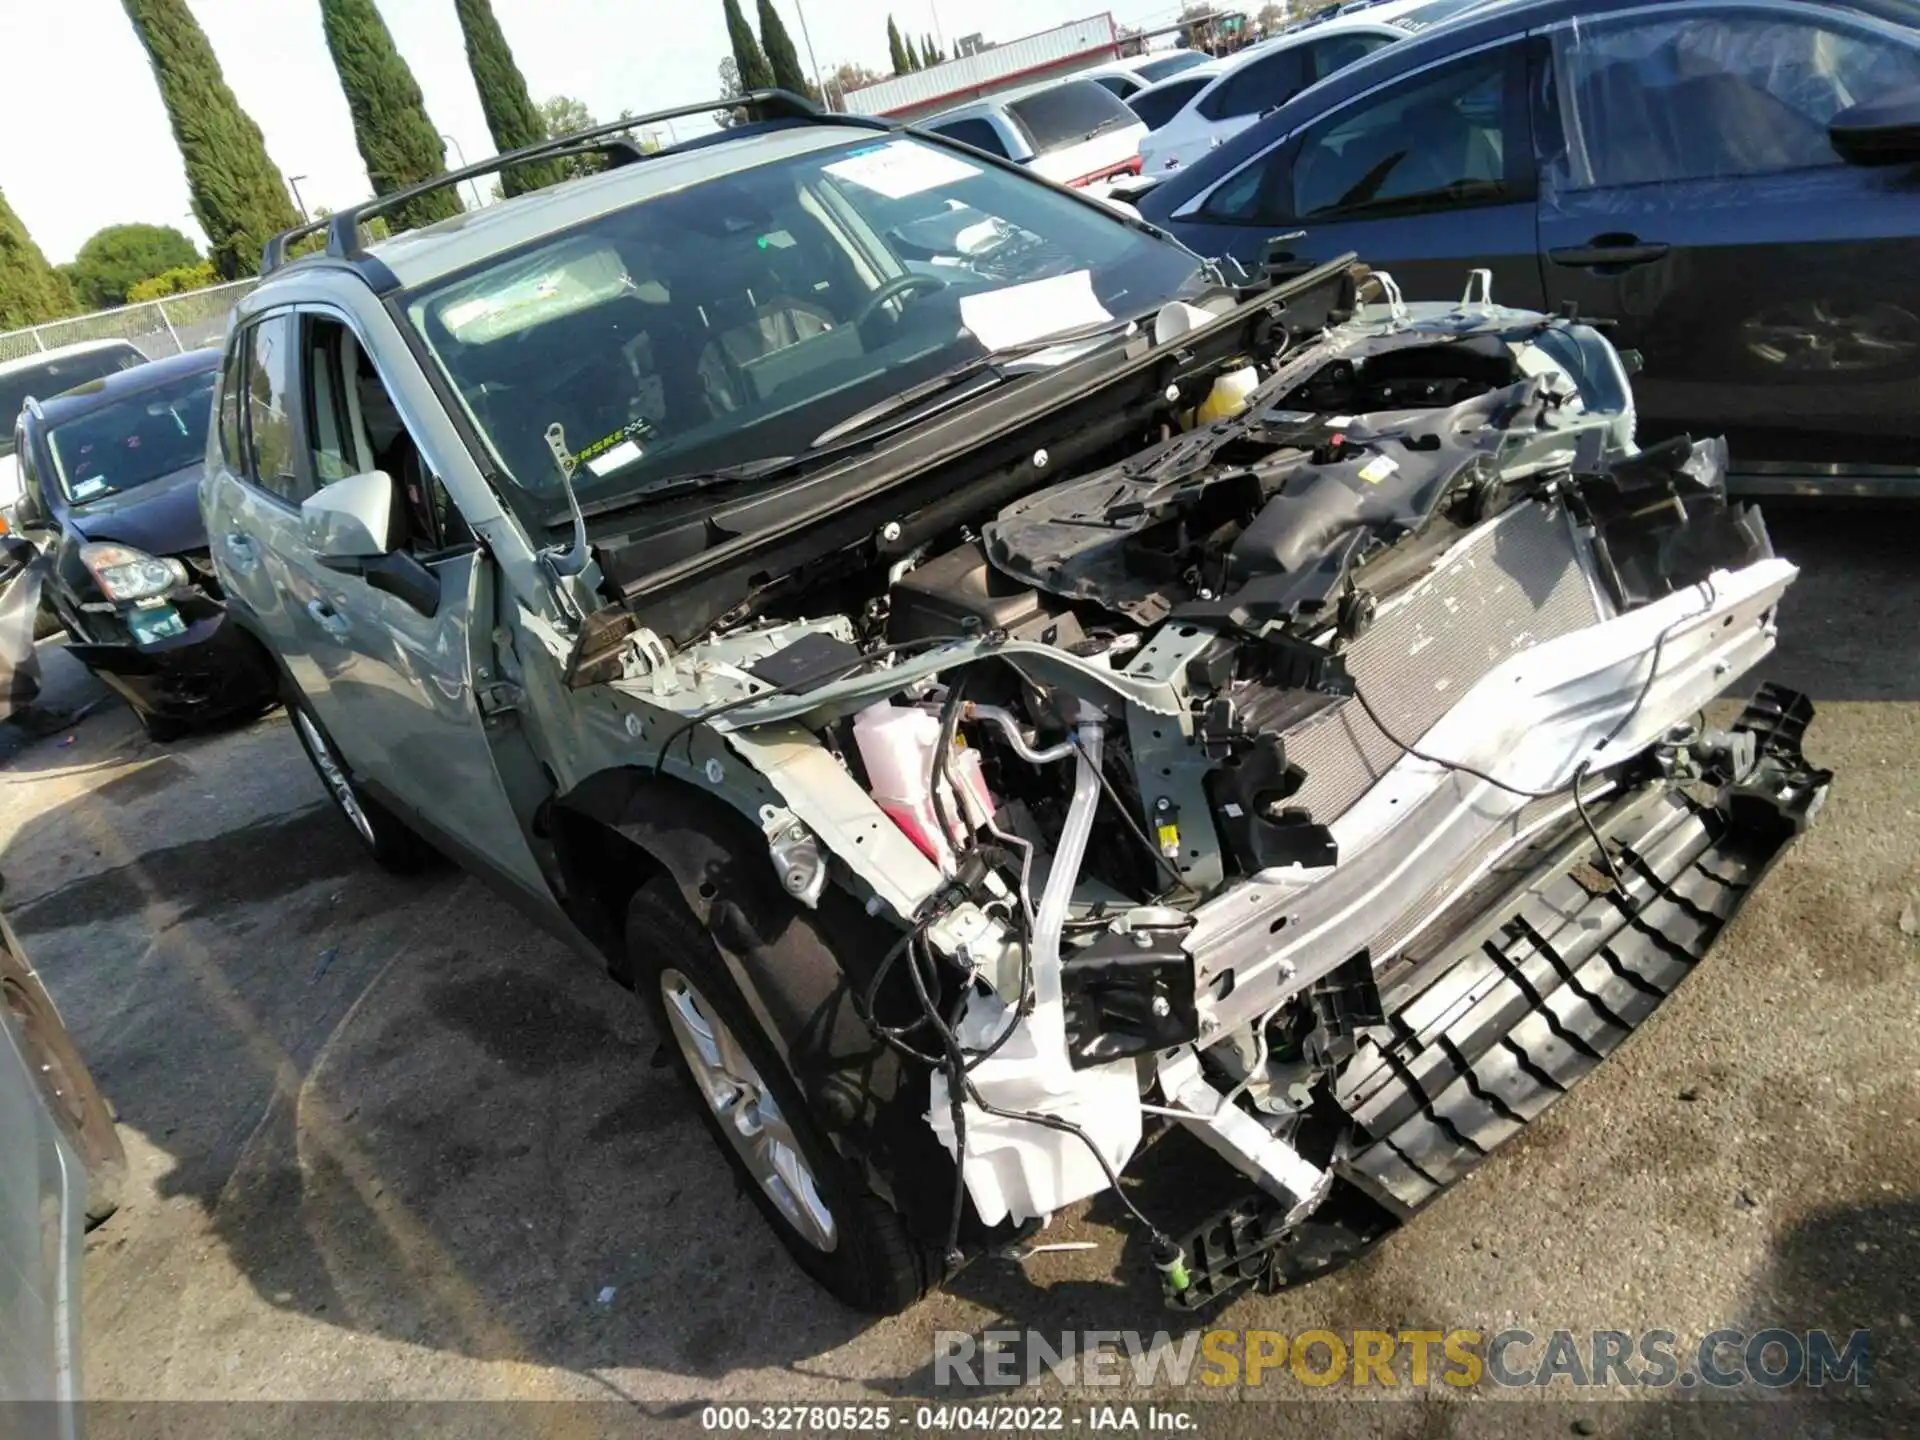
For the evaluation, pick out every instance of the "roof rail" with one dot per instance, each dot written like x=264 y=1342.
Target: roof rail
x=610 y=139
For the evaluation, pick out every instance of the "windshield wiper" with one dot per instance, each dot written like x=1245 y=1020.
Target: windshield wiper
x=669 y=487
x=916 y=395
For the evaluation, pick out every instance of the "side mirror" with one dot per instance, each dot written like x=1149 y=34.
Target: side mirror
x=1881 y=132
x=350 y=519
x=16 y=553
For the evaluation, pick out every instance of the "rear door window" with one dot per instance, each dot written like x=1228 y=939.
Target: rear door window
x=1157 y=106
x=1328 y=57
x=269 y=449
x=975 y=132
x=1439 y=140
x=1256 y=87
x=1067 y=114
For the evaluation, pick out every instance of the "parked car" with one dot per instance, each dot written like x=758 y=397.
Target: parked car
x=1126 y=78
x=111 y=473
x=1326 y=666
x=1159 y=103
x=1257 y=81
x=1729 y=185
x=62 y=1168
x=1075 y=132
x=48 y=372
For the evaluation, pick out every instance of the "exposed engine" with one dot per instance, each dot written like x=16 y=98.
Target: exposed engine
x=1198 y=774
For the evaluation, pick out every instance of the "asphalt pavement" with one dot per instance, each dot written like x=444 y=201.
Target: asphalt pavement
x=390 y=1142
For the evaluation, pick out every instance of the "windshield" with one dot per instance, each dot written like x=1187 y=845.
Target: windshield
x=46 y=379
x=121 y=447
x=737 y=319
x=1165 y=67
x=1066 y=114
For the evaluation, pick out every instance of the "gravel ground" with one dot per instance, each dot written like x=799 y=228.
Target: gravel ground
x=392 y=1143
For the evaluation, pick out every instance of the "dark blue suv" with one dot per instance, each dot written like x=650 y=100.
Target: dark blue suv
x=1680 y=169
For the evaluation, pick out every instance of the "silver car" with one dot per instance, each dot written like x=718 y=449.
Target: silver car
x=997 y=684
x=61 y=1170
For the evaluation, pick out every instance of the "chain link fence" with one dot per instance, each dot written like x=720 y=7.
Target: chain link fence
x=159 y=327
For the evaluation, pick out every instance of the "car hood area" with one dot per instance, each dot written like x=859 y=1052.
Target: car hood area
x=161 y=517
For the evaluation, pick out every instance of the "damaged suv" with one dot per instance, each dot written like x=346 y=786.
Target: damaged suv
x=996 y=684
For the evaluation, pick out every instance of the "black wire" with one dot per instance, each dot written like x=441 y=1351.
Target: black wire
x=853 y=667
x=1126 y=818
x=1572 y=786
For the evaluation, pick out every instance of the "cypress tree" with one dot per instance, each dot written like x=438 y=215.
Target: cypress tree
x=398 y=142
x=512 y=118
x=31 y=290
x=929 y=52
x=239 y=196
x=896 y=51
x=914 y=62
x=755 y=72
x=781 y=57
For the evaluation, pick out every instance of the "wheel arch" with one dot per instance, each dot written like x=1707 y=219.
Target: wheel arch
x=797 y=969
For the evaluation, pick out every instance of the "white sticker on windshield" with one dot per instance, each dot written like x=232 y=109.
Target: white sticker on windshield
x=625 y=453
x=89 y=487
x=1019 y=313
x=901 y=168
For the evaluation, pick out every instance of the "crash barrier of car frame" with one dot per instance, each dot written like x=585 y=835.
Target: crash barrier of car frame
x=171 y=326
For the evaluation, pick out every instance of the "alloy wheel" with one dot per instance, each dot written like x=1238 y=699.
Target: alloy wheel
x=748 y=1113
x=334 y=774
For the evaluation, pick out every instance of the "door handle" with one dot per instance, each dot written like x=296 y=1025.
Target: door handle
x=1610 y=251
x=328 y=618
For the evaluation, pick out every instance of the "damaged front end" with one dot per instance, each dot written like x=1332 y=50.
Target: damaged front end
x=1330 y=779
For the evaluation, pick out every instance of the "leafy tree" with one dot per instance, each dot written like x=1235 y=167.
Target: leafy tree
x=929 y=52
x=177 y=281
x=30 y=289
x=119 y=257
x=848 y=75
x=896 y=49
x=513 y=119
x=239 y=196
x=781 y=56
x=398 y=142
x=750 y=61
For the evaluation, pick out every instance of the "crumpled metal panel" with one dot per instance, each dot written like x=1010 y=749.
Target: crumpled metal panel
x=1517 y=583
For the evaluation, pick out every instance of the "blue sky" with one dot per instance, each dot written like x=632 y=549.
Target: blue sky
x=75 y=71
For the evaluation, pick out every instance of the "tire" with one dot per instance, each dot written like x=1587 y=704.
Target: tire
x=161 y=730
x=868 y=1261
x=75 y=1101
x=384 y=835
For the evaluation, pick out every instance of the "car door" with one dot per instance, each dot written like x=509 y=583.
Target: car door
x=410 y=697
x=1690 y=195
x=1428 y=175
x=250 y=498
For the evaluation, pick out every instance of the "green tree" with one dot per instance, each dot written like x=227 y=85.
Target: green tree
x=239 y=196
x=748 y=58
x=30 y=289
x=930 y=52
x=177 y=281
x=914 y=62
x=513 y=119
x=398 y=142
x=896 y=49
x=119 y=257
x=782 y=59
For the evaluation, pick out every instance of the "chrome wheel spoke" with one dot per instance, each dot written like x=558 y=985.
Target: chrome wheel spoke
x=749 y=1116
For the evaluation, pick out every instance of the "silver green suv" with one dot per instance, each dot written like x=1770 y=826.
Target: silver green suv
x=998 y=684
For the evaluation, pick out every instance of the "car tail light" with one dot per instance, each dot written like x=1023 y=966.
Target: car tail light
x=1126 y=167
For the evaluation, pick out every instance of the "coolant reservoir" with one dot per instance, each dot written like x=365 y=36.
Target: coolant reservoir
x=1228 y=396
x=897 y=744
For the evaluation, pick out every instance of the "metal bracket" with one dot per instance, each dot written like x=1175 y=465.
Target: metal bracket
x=797 y=857
x=646 y=655
x=1270 y=1162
